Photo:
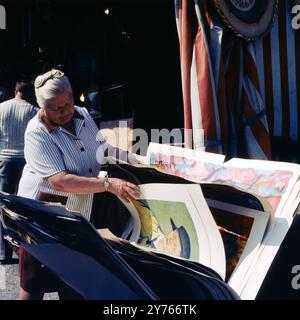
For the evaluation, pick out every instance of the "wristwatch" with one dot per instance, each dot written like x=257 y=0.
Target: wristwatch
x=106 y=183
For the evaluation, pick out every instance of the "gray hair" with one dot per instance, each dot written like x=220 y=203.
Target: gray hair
x=49 y=85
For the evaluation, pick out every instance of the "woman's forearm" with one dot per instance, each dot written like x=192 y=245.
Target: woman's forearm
x=71 y=183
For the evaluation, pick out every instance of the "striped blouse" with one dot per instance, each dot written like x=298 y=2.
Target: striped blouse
x=50 y=152
x=14 y=117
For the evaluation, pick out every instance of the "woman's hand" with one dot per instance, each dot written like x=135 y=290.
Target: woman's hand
x=124 y=189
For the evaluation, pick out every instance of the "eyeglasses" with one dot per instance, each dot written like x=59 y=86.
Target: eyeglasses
x=41 y=80
x=60 y=109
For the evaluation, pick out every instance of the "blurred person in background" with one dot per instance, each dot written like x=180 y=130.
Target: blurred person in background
x=14 y=117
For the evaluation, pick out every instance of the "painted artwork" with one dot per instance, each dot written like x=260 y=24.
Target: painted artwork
x=269 y=184
x=235 y=231
x=175 y=220
x=167 y=226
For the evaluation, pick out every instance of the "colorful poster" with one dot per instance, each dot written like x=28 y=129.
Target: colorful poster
x=270 y=181
x=175 y=219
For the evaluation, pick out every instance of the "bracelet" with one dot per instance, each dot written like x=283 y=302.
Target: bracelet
x=106 y=183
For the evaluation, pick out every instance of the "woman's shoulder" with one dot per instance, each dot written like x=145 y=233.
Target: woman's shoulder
x=35 y=125
x=82 y=111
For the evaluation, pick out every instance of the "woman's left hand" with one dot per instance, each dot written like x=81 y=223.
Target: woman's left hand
x=124 y=189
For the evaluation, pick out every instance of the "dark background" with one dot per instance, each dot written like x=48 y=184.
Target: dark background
x=135 y=48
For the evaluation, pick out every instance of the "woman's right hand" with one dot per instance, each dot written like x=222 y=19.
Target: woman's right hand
x=124 y=189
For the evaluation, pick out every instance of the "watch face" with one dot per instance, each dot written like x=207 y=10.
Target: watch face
x=249 y=19
x=106 y=183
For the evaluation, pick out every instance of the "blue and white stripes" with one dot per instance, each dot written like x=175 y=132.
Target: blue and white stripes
x=48 y=153
x=14 y=117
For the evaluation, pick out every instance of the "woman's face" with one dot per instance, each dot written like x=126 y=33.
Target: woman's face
x=60 y=109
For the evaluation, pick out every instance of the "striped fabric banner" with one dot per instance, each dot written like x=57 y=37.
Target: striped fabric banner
x=256 y=131
x=202 y=78
x=183 y=12
x=238 y=95
x=280 y=73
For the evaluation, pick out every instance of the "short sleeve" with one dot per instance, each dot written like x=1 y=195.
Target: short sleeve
x=42 y=155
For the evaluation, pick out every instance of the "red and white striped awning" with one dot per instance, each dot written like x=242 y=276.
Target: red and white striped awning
x=238 y=95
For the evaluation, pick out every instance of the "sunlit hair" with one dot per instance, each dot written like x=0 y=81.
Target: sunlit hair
x=49 y=85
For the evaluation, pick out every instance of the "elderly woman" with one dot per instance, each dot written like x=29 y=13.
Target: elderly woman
x=61 y=165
